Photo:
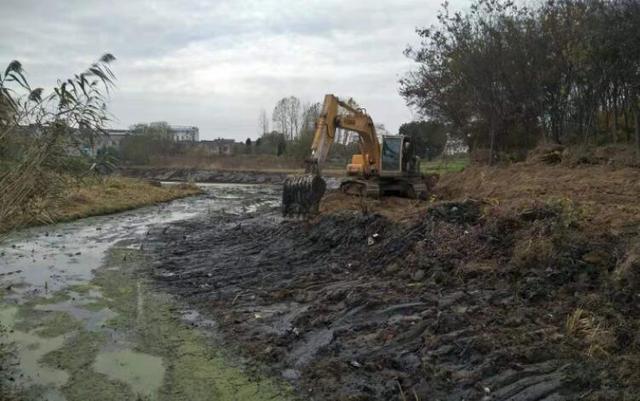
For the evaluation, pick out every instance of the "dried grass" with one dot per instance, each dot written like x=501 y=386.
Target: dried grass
x=115 y=194
x=607 y=197
x=93 y=196
x=586 y=326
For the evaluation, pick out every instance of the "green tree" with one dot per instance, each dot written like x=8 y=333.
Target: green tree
x=147 y=141
x=503 y=76
x=273 y=143
x=428 y=137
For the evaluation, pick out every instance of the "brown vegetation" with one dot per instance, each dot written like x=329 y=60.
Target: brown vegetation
x=229 y=163
x=94 y=196
x=40 y=137
x=393 y=208
x=605 y=196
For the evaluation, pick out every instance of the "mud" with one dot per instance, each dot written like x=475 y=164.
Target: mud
x=79 y=319
x=465 y=301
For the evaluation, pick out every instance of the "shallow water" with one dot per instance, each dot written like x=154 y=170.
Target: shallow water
x=143 y=372
x=51 y=301
x=31 y=347
x=42 y=260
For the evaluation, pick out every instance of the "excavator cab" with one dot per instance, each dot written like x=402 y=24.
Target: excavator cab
x=392 y=155
x=396 y=152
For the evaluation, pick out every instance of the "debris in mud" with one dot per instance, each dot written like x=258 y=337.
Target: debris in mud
x=467 y=211
x=449 y=305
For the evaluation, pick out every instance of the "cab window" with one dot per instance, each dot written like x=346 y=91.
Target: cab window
x=391 y=154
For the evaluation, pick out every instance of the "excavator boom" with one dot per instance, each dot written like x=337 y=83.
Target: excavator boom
x=301 y=194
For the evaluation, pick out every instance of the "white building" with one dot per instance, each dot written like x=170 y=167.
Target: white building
x=183 y=133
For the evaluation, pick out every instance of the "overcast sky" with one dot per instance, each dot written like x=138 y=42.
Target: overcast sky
x=215 y=64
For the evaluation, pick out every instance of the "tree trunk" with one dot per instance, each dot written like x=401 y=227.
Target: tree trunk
x=636 y=113
x=492 y=140
x=615 y=120
x=626 y=124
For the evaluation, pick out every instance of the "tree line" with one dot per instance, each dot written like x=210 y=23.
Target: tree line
x=293 y=126
x=505 y=77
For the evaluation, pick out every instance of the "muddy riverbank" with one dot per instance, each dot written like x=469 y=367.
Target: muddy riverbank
x=82 y=321
x=206 y=176
x=512 y=297
x=451 y=305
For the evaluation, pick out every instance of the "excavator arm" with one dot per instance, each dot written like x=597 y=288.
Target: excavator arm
x=301 y=194
x=354 y=120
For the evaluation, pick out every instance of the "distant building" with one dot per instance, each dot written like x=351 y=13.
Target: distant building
x=113 y=138
x=91 y=142
x=218 y=146
x=178 y=133
x=183 y=133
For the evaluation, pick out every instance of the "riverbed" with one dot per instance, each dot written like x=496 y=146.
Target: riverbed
x=82 y=321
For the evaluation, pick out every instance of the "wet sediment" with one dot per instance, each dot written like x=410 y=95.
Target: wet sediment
x=206 y=176
x=79 y=319
x=447 y=307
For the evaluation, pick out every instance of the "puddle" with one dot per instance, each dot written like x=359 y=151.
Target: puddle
x=31 y=348
x=144 y=373
x=93 y=319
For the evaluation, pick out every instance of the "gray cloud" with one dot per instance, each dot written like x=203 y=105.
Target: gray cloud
x=215 y=64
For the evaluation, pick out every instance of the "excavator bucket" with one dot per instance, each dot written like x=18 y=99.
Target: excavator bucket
x=301 y=195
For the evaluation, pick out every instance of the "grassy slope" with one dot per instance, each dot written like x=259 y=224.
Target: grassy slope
x=92 y=197
x=440 y=166
x=115 y=194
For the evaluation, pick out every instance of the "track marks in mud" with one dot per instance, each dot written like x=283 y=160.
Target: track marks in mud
x=359 y=307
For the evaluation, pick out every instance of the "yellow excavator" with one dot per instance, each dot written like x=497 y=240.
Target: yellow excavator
x=387 y=168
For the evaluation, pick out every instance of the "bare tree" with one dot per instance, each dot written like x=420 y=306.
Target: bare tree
x=287 y=116
x=310 y=113
x=293 y=114
x=502 y=76
x=263 y=122
x=280 y=118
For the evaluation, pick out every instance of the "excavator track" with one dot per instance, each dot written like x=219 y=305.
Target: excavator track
x=301 y=195
x=358 y=187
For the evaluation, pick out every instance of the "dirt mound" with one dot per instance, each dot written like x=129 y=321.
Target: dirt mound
x=621 y=155
x=391 y=207
x=466 y=300
x=547 y=154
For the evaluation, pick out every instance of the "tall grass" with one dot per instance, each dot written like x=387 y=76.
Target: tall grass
x=37 y=133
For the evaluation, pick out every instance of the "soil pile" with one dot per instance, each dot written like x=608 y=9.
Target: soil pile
x=503 y=298
x=393 y=208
